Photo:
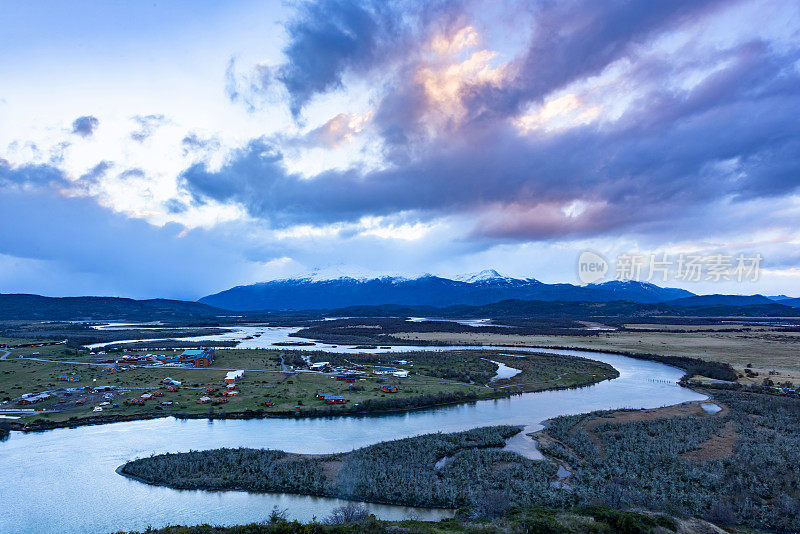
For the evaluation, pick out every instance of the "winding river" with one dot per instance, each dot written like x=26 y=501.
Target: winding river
x=64 y=480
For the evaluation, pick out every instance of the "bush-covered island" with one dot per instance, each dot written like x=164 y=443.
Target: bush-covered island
x=739 y=467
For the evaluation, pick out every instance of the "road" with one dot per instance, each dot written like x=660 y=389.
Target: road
x=5 y=355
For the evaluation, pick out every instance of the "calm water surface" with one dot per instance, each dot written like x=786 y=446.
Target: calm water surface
x=63 y=480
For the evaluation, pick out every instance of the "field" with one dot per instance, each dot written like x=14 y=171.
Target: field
x=771 y=353
x=278 y=376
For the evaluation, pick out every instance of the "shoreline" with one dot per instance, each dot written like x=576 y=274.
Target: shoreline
x=262 y=414
x=686 y=364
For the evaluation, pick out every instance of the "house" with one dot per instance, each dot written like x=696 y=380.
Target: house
x=97 y=409
x=191 y=354
x=388 y=389
x=230 y=393
x=172 y=388
x=158 y=393
x=347 y=377
x=30 y=398
x=401 y=373
x=319 y=366
x=202 y=362
x=384 y=370
x=324 y=396
x=334 y=399
x=233 y=376
x=231 y=386
x=171 y=381
x=147 y=396
x=166 y=403
x=204 y=400
x=138 y=401
x=220 y=400
x=401 y=362
x=268 y=403
x=198 y=357
x=69 y=378
x=211 y=389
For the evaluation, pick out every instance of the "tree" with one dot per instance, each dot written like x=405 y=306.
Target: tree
x=351 y=513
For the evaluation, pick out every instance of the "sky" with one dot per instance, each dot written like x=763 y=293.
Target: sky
x=176 y=149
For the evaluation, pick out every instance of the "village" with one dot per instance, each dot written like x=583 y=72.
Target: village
x=52 y=385
x=129 y=382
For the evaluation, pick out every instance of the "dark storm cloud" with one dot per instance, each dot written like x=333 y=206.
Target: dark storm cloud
x=570 y=40
x=331 y=38
x=85 y=126
x=575 y=39
x=670 y=154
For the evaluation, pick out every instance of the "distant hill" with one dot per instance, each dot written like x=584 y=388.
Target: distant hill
x=575 y=310
x=724 y=300
x=483 y=288
x=36 y=307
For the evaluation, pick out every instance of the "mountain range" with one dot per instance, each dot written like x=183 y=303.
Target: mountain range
x=482 y=288
x=485 y=294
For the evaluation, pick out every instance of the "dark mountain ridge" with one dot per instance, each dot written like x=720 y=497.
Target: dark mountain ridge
x=36 y=307
x=484 y=288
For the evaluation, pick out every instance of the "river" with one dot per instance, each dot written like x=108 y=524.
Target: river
x=64 y=480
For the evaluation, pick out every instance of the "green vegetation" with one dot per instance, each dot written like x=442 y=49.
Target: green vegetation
x=435 y=379
x=752 y=481
x=529 y=520
x=475 y=471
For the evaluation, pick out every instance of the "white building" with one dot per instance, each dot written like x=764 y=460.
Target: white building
x=233 y=376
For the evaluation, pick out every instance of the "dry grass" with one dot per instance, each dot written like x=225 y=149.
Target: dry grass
x=718 y=447
x=766 y=350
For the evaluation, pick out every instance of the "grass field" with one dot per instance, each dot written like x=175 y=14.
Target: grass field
x=434 y=378
x=766 y=350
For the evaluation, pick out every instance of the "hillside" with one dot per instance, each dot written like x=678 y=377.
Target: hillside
x=538 y=308
x=36 y=307
x=725 y=300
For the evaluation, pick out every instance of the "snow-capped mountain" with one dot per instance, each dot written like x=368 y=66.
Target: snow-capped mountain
x=641 y=291
x=484 y=287
x=490 y=276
